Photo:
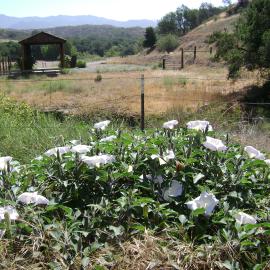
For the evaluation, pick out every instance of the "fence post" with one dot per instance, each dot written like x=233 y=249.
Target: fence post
x=142 y=102
x=6 y=64
x=3 y=65
x=163 y=63
x=182 y=58
x=9 y=64
x=195 y=54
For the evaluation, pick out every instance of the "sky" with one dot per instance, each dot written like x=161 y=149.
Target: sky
x=120 y=10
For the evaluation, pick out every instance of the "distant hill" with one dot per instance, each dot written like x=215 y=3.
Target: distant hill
x=63 y=20
x=82 y=31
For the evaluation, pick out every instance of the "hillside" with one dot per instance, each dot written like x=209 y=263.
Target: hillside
x=82 y=31
x=199 y=35
x=97 y=31
x=62 y=20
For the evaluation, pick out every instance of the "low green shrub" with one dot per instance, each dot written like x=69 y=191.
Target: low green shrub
x=81 y=64
x=167 y=43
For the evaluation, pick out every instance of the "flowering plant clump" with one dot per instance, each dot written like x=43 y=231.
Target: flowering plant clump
x=170 y=124
x=120 y=183
x=254 y=153
x=200 y=125
x=214 y=144
x=102 y=125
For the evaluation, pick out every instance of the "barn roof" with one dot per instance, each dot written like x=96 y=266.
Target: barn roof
x=42 y=38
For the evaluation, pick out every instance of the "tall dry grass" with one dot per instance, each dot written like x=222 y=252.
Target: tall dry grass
x=120 y=91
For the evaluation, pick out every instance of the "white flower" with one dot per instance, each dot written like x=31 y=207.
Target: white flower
x=13 y=214
x=170 y=124
x=206 y=201
x=214 y=144
x=267 y=161
x=102 y=125
x=2 y=233
x=157 y=180
x=108 y=139
x=199 y=125
x=61 y=150
x=81 y=149
x=96 y=161
x=32 y=198
x=130 y=169
x=174 y=190
x=165 y=158
x=169 y=155
x=4 y=163
x=243 y=218
x=254 y=153
x=75 y=142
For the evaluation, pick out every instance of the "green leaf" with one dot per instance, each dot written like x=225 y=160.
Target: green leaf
x=85 y=262
x=183 y=219
x=199 y=211
x=117 y=230
x=198 y=177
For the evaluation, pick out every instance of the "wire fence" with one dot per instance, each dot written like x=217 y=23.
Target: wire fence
x=127 y=94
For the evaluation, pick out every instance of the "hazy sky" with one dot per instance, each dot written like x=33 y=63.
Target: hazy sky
x=111 y=9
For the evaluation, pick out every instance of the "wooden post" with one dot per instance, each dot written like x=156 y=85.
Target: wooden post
x=6 y=64
x=3 y=65
x=142 y=102
x=9 y=64
x=163 y=63
x=62 y=55
x=182 y=58
x=195 y=54
x=211 y=50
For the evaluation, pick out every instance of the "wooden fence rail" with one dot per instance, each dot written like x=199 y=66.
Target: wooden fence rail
x=171 y=62
x=5 y=65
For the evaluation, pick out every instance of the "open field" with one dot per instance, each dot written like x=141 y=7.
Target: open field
x=79 y=93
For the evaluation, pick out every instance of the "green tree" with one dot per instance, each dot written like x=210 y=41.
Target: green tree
x=249 y=45
x=167 y=43
x=150 y=38
x=168 y=25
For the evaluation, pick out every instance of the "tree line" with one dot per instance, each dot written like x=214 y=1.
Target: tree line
x=176 y=24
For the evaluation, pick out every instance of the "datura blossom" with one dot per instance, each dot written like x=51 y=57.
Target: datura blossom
x=60 y=150
x=214 y=144
x=102 y=125
x=157 y=180
x=32 y=198
x=81 y=149
x=4 y=163
x=174 y=190
x=2 y=233
x=170 y=124
x=96 y=161
x=243 y=218
x=199 y=125
x=75 y=142
x=206 y=201
x=267 y=161
x=12 y=212
x=169 y=155
x=254 y=153
x=108 y=139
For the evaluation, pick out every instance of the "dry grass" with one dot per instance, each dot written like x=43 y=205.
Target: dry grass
x=120 y=92
x=165 y=253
